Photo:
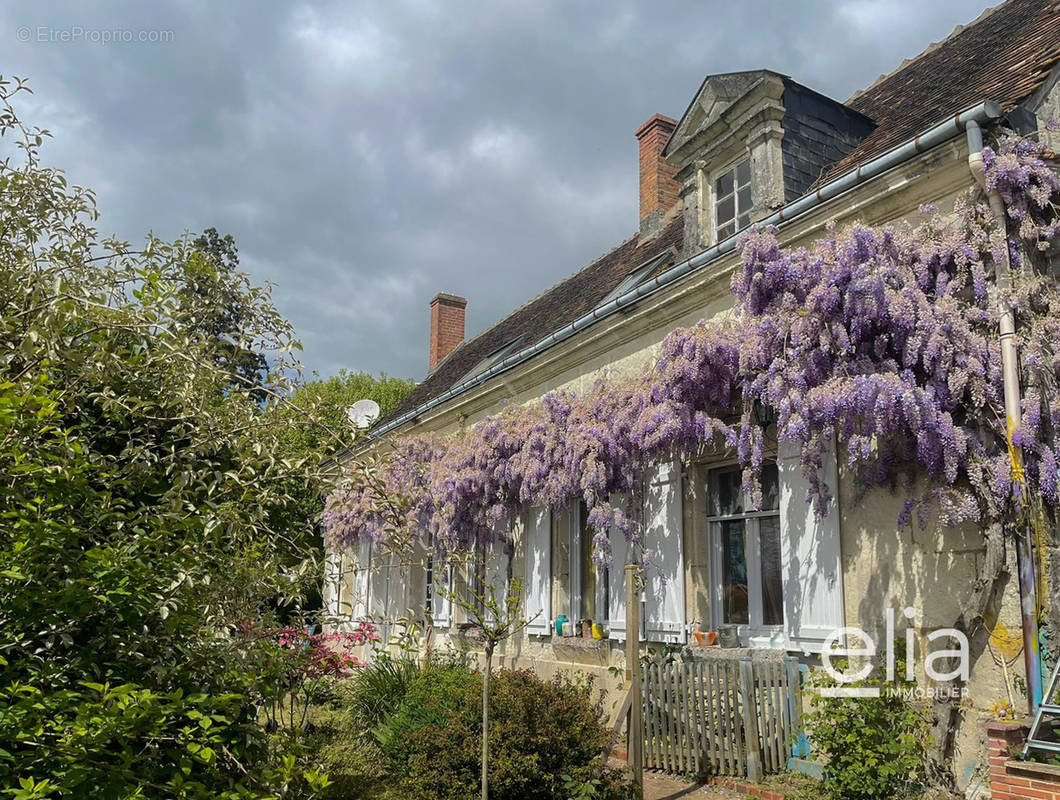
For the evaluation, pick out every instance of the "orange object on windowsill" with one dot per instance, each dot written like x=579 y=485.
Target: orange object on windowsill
x=705 y=638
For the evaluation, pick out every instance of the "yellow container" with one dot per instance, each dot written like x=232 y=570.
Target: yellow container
x=598 y=630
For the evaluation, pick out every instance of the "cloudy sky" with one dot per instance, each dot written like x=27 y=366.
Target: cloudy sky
x=368 y=155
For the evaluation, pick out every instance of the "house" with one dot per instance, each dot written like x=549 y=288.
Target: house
x=751 y=147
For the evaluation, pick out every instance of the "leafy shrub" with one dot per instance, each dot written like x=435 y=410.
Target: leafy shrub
x=541 y=731
x=378 y=689
x=875 y=746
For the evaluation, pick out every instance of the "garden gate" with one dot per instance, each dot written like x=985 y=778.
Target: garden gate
x=720 y=716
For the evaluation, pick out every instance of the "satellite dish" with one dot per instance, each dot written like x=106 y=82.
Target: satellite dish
x=363 y=413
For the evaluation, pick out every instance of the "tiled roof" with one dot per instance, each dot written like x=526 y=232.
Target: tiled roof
x=557 y=307
x=1004 y=56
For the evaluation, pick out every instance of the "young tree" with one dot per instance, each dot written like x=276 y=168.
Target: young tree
x=495 y=617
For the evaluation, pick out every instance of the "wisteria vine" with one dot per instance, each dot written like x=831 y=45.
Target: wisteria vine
x=883 y=339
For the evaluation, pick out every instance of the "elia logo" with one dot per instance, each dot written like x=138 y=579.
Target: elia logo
x=938 y=663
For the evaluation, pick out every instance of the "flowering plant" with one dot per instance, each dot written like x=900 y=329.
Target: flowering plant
x=298 y=665
x=884 y=339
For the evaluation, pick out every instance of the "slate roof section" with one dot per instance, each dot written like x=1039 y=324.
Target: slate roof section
x=1005 y=56
x=557 y=307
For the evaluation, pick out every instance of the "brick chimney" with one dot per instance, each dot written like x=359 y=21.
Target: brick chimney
x=447 y=326
x=658 y=189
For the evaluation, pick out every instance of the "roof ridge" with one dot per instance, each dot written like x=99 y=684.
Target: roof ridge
x=932 y=47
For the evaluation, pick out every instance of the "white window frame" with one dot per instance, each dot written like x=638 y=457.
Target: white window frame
x=715 y=198
x=576 y=529
x=755 y=632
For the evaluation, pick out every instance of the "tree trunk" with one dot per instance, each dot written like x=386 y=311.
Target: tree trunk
x=945 y=709
x=486 y=720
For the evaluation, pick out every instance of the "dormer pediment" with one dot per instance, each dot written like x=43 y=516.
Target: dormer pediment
x=718 y=106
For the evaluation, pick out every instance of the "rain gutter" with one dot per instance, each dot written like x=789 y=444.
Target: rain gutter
x=983 y=113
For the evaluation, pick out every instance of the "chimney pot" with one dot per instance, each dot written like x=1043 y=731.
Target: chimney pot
x=447 y=327
x=658 y=188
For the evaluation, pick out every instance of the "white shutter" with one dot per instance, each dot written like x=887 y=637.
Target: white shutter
x=616 y=602
x=332 y=586
x=497 y=561
x=397 y=600
x=441 y=604
x=359 y=601
x=574 y=529
x=539 y=572
x=664 y=611
x=378 y=580
x=811 y=569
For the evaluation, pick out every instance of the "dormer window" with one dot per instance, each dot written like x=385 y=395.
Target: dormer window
x=495 y=357
x=732 y=200
x=639 y=274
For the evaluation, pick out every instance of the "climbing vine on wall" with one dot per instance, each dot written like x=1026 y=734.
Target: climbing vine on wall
x=883 y=339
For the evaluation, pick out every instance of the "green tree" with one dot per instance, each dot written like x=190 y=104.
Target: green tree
x=149 y=516
x=215 y=305
x=328 y=400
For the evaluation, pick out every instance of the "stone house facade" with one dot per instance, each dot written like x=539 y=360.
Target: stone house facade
x=751 y=147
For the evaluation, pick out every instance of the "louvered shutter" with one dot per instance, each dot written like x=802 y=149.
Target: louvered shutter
x=378 y=586
x=810 y=558
x=332 y=586
x=397 y=598
x=665 y=577
x=497 y=562
x=539 y=572
x=441 y=604
x=359 y=601
x=616 y=605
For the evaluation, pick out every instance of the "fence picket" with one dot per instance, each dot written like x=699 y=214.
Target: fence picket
x=720 y=716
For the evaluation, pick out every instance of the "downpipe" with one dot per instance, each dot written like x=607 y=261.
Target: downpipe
x=1013 y=413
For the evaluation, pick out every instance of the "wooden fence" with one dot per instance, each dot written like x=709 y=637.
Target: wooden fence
x=720 y=716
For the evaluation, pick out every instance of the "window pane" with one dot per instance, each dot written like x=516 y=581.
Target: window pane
x=743 y=173
x=726 y=498
x=770 y=487
x=733 y=572
x=743 y=222
x=772 y=587
x=744 y=199
x=726 y=231
x=723 y=185
x=726 y=210
x=588 y=568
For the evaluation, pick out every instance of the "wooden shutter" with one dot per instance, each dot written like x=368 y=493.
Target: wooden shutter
x=811 y=567
x=616 y=601
x=359 y=601
x=378 y=580
x=332 y=586
x=497 y=561
x=441 y=604
x=539 y=572
x=397 y=597
x=664 y=613
x=574 y=550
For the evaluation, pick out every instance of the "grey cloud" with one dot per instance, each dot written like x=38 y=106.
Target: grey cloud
x=368 y=155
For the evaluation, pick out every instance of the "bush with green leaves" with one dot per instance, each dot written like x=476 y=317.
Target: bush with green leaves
x=544 y=736
x=150 y=507
x=875 y=747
